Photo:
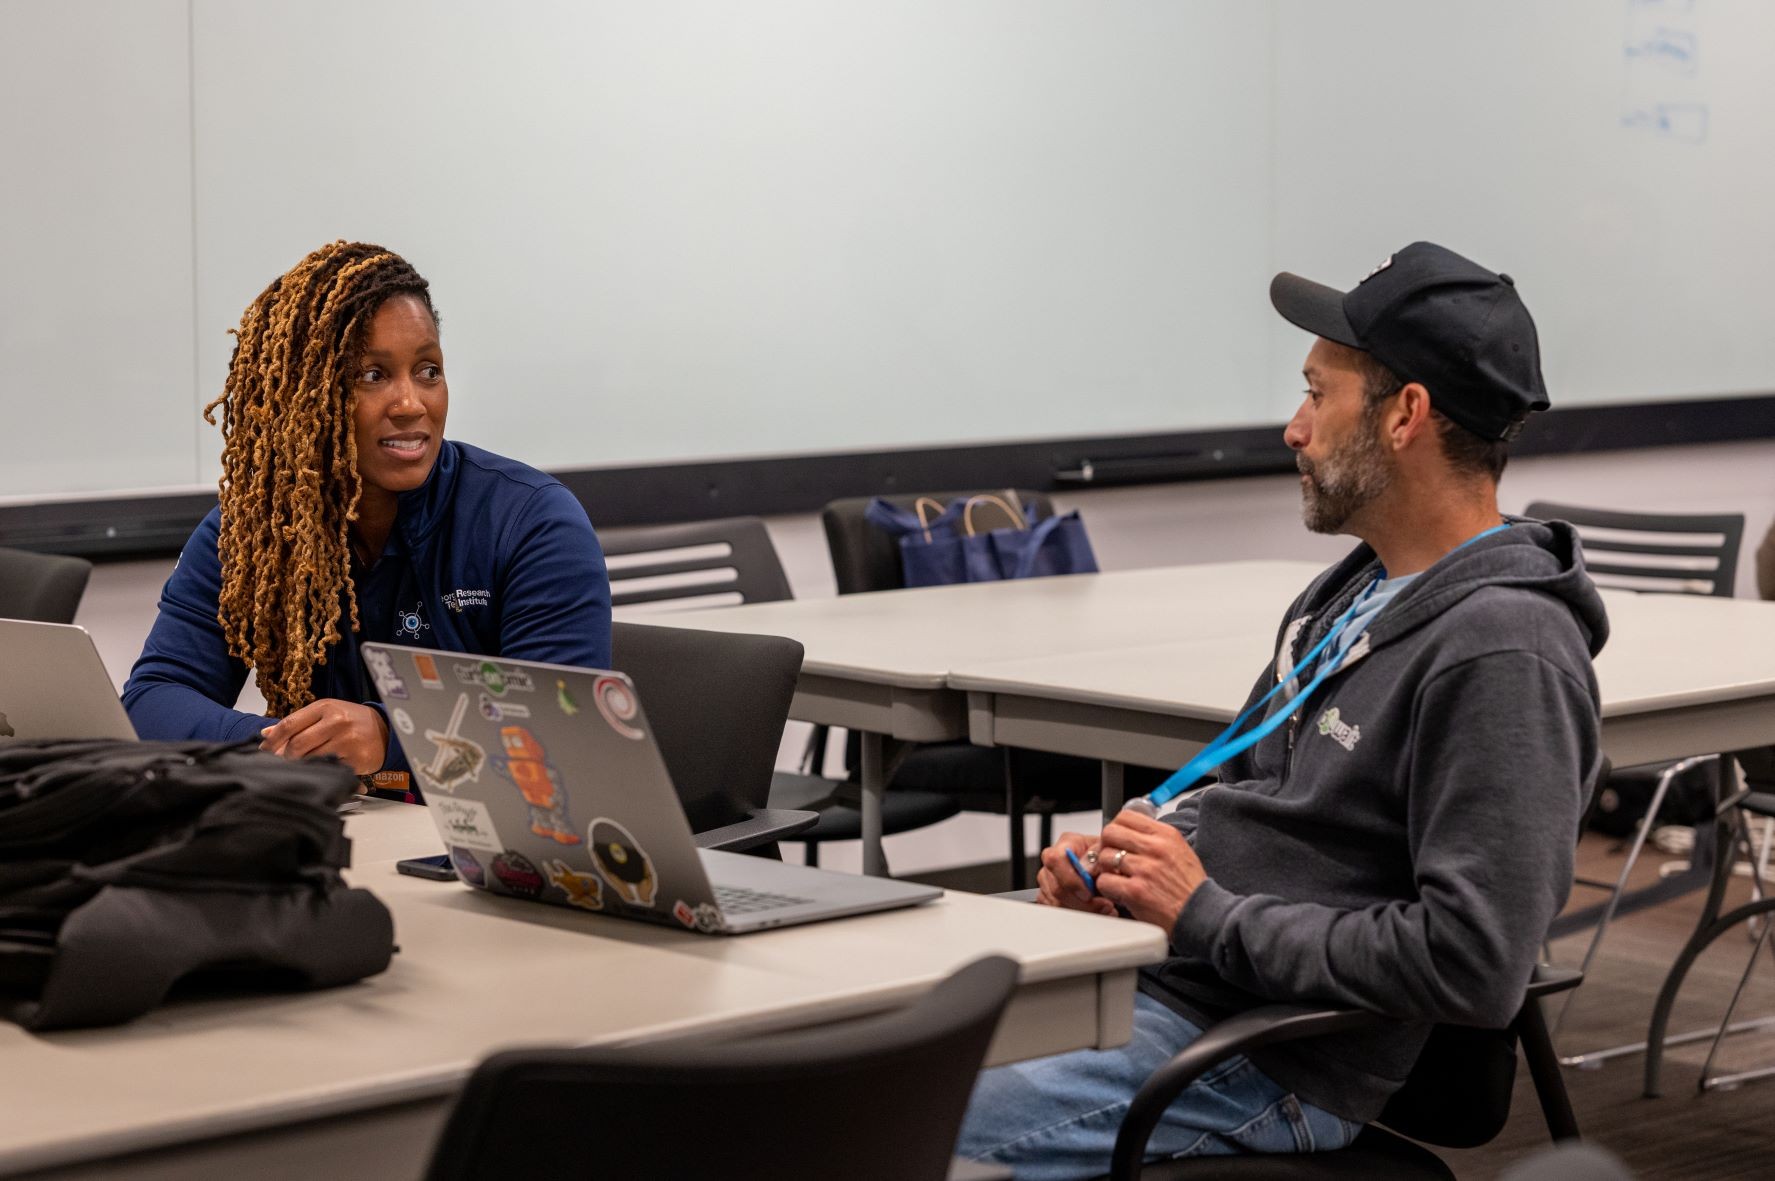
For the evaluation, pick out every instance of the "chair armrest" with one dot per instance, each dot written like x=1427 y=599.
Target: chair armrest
x=1548 y=980
x=766 y=825
x=1262 y=1026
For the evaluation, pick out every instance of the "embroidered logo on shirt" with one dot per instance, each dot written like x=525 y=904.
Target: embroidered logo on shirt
x=1339 y=731
x=461 y=600
x=411 y=623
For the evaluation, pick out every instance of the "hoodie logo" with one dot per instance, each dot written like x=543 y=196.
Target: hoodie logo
x=409 y=623
x=462 y=600
x=1339 y=731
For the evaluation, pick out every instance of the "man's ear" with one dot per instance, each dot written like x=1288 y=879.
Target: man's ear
x=1410 y=417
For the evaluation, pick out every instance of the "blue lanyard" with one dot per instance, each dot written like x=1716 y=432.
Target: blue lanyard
x=1229 y=742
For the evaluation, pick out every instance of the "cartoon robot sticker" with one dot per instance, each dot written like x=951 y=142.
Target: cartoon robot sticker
x=624 y=864
x=526 y=765
x=583 y=890
x=456 y=759
x=616 y=701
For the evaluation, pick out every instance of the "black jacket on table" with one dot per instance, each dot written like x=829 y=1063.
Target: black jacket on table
x=1403 y=842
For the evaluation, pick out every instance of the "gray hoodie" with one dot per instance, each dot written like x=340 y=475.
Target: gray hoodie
x=1403 y=842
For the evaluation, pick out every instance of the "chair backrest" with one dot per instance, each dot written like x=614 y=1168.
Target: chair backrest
x=1458 y=1093
x=697 y=564
x=1676 y=553
x=866 y=1100
x=866 y=559
x=45 y=588
x=717 y=702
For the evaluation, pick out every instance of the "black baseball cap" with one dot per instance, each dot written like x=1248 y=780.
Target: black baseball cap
x=1434 y=317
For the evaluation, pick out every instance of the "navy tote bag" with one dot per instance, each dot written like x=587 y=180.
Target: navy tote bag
x=941 y=545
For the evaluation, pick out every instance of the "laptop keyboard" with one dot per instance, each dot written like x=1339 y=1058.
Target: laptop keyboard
x=738 y=900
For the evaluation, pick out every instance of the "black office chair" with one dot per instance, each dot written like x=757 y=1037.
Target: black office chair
x=731 y=560
x=1457 y=1096
x=717 y=703
x=45 y=588
x=877 y=1099
x=697 y=564
x=980 y=779
x=1698 y=557
x=1660 y=553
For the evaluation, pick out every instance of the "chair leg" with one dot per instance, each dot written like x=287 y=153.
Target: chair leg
x=813 y=853
x=1046 y=832
x=1543 y=1066
x=1707 y=1082
x=1615 y=895
x=1014 y=801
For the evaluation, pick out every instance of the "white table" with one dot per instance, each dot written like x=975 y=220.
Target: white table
x=355 y=1081
x=880 y=663
x=1680 y=675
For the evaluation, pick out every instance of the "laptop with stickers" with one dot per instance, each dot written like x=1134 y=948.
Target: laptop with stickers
x=545 y=783
x=53 y=684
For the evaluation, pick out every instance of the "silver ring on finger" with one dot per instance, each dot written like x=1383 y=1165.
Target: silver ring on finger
x=1116 y=862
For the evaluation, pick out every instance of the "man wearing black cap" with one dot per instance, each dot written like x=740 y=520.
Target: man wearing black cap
x=1392 y=825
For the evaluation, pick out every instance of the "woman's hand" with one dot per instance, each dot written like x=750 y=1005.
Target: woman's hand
x=356 y=734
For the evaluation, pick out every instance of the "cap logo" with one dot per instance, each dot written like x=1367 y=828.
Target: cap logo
x=1380 y=266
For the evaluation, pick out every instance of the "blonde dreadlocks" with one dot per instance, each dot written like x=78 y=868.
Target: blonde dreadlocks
x=290 y=487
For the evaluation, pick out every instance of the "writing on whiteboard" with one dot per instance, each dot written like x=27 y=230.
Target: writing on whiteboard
x=1661 y=45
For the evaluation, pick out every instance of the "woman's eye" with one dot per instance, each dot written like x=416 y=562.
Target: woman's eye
x=369 y=376
x=430 y=372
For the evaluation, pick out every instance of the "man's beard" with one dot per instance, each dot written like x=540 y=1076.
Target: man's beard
x=1349 y=480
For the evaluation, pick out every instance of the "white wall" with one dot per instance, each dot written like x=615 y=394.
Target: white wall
x=701 y=229
x=1156 y=525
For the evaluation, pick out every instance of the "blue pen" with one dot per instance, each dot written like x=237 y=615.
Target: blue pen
x=1090 y=882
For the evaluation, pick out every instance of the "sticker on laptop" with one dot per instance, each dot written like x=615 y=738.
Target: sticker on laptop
x=517 y=874
x=682 y=912
x=527 y=765
x=708 y=918
x=466 y=823
x=427 y=667
x=468 y=867
x=564 y=699
x=616 y=701
x=498 y=711
x=624 y=864
x=495 y=679
x=583 y=890
x=388 y=682
x=454 y=758
x=403 y=721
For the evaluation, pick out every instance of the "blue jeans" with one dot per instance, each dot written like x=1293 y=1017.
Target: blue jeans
x=1056 y=1118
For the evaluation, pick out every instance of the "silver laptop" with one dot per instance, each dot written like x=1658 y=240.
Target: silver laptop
x=545 y=783
x=54 y=685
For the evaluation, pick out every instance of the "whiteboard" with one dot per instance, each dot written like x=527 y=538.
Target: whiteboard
x=706 y=230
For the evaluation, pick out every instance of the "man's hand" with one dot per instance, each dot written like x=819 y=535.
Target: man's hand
x=357 y=734
x=1060 y=882
x=1145 y=866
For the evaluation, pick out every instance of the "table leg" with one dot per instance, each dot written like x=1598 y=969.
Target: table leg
x=1115 y=789
x=1014 y=805
x=1725 y=830
x=874 y=784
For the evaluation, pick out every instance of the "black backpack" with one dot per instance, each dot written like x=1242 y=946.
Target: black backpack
x=126 y=867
